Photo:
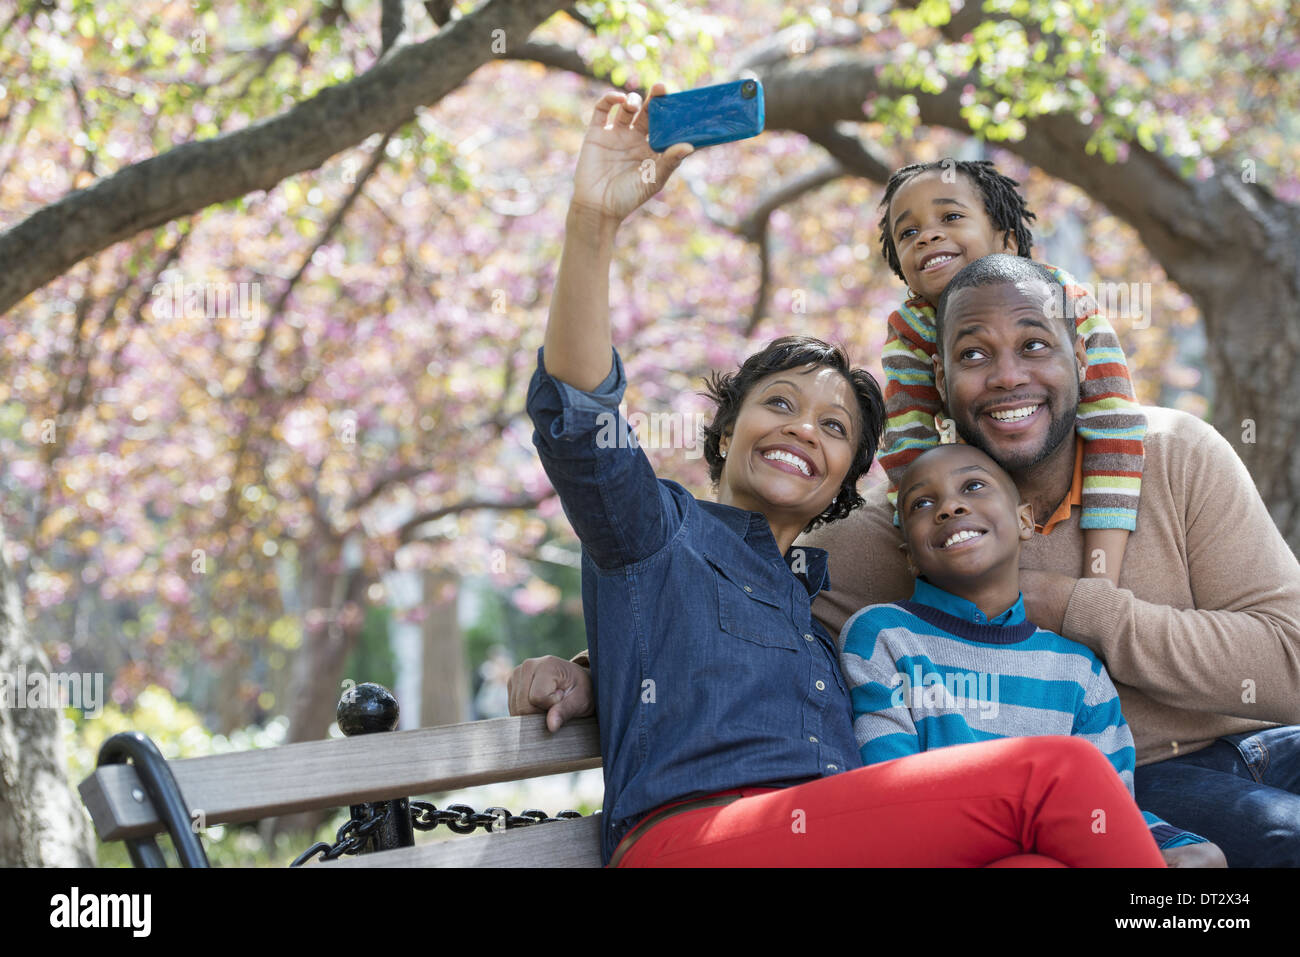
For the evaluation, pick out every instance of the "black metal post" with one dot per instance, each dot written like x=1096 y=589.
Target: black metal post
x=370 y=708
x=159 y=784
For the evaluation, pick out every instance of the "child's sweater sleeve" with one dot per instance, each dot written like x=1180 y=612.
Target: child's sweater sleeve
x=882 y=721
x=911 y=399
x=1100 y=720
x=1110 y=423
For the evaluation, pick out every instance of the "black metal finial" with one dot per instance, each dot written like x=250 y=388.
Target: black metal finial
x=367 y=708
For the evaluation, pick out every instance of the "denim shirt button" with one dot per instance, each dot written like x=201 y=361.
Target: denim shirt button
x=812 y=738
x=808 y=637
x=832 y=767
x=747 y=588
x=821 y=686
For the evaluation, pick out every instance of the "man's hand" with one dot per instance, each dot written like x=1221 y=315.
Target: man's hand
x=1047 y=594
x=1195 y=855
x=560 y=688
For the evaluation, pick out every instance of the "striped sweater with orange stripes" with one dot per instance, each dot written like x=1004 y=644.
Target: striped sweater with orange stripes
x=1109 y=419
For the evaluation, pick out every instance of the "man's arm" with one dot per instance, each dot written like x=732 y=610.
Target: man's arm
x=1237 y=650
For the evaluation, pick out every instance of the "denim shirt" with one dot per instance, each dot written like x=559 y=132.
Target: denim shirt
x=709 y=670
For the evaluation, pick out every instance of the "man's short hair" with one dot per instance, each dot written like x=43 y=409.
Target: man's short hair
x=1001 y=268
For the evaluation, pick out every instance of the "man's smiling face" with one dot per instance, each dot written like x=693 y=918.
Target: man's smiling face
x=1010 y=371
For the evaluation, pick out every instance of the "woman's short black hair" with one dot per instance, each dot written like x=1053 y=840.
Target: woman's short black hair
x=1005 y=206
x=792 y=352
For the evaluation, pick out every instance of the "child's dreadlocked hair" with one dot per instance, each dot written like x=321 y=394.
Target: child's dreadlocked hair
x=1005 y=206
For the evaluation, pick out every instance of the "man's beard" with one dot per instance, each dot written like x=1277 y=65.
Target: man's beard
x=1019 y=461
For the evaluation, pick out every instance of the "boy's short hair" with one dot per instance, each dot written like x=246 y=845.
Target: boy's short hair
x=1005 y=206
x=1003 y=476
x=790 y=352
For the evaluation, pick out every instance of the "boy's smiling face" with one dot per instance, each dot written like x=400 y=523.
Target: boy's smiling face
x=938 y=227
x=962 y=518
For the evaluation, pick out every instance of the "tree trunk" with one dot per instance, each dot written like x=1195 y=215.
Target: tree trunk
x=445 y=691
x=316 y=681
x=42 y=820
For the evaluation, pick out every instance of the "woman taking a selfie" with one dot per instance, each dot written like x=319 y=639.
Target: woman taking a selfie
x=725 y=724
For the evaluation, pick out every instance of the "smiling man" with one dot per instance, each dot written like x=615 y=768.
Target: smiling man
x=1203 y=646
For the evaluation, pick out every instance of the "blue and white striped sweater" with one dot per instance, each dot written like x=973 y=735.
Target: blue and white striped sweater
x=934 y=671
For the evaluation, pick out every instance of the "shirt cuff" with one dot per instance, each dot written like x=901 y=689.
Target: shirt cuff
x=563 y=414
x=1167 y=837
x=604 y=398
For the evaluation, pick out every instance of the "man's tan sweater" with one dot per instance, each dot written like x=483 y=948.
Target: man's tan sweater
x=1202 y=638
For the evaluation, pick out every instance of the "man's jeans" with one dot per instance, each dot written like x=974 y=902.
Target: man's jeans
x=1242 y=793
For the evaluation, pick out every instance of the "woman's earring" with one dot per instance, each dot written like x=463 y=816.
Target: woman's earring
x=723 y=453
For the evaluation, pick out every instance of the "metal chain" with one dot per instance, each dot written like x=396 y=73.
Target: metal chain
x=458 y=818
x=463 y=819
x=349 y=839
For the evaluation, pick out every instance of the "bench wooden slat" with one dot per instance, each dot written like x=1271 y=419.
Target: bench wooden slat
x=249 y=785
x=562 y=844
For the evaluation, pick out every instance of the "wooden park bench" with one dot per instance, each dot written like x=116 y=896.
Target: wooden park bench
x=133 y=802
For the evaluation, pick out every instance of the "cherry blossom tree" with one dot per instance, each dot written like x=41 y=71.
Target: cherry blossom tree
x=276 y=275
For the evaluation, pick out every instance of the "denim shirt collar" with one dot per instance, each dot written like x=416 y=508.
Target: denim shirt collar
x=928 y=594
x=755 y=531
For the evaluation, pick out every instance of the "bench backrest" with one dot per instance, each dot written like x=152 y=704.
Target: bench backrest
x=249 y=785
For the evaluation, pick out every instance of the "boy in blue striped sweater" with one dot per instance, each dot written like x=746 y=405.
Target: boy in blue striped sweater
x=959 y=662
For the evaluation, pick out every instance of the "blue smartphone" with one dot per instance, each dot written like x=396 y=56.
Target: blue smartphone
x=707 y=116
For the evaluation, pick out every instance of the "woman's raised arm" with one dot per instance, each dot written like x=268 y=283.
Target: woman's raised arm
x=617 y=172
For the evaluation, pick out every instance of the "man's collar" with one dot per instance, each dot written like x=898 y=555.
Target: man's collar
x=1073 y=497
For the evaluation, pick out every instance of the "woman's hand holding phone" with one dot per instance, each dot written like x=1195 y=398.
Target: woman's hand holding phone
x=613 y=177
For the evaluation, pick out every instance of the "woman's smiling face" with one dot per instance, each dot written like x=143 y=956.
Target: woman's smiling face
x=938 y=227
x=792 y=444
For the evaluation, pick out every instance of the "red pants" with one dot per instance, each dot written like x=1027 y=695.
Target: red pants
x=969 y=805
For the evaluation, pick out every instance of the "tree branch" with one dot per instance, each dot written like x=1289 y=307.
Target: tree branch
x=579 y=17
x=390 y=24
x=802 y=98
x=406 y=530
x=759 y=308
x=277 y=308
x=400 y=474
x=853 y=154
x=755 y=221
x=559 y=57
x=198 y=174
x=439 y=11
